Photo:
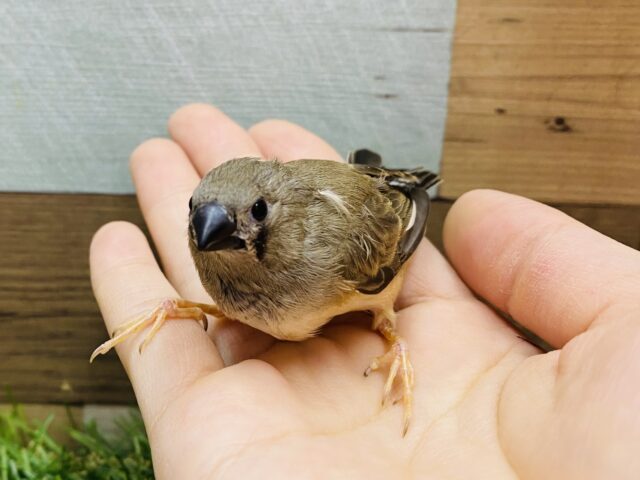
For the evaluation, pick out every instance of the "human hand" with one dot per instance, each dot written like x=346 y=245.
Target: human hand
x=486 y=403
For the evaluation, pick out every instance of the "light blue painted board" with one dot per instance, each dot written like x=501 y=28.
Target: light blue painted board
x=83 y=82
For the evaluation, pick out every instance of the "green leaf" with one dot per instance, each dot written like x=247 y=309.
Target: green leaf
x=27 y=451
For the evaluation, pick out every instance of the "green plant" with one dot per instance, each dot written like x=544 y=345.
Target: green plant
x=27 y=451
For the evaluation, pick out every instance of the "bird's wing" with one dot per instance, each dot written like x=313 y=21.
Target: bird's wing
x=407 y=192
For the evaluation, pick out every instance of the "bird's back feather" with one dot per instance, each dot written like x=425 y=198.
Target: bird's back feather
x=407 y=190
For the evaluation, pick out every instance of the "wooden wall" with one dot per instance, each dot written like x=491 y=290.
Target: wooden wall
x=544 y=101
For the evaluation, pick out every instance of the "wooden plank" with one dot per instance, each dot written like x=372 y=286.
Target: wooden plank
x=544 y=100
x=83 y=83
x=49 y=322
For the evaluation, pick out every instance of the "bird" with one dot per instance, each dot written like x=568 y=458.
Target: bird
x=286 y=247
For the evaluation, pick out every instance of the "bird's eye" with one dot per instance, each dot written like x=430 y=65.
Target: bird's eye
x=259 y=210
x=191 y=204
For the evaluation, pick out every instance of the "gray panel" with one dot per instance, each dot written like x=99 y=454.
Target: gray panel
x=83 y=82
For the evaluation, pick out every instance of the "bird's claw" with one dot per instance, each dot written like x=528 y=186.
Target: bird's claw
x=397 y=358
x=181 y=309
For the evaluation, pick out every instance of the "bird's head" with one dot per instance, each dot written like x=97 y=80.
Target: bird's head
x=236 y=207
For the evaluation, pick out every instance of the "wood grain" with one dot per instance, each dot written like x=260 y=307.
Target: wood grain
x=49 y=322
x=544 y=100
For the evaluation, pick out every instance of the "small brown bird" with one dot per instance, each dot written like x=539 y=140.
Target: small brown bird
x=285 y=247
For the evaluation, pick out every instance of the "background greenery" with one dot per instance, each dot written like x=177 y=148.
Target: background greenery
x=27 y=451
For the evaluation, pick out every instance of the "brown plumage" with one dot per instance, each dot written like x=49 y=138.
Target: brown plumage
x=333 y=231
x=285 y=247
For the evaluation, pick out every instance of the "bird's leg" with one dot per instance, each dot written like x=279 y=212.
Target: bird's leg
x=176 y=309
x=397 y=358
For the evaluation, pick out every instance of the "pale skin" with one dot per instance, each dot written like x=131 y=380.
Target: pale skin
x=486 y=403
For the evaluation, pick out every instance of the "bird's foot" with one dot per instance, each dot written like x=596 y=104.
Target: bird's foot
x=397 y=359
x=175 y=309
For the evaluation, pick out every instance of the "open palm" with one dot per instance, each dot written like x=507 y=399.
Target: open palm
x=487 y=404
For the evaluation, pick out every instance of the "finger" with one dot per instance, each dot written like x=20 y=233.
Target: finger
x=209 y=137
x=287 y=141
x=553 y=274
x=165 y=179
x=429 y=275
x=127 y=282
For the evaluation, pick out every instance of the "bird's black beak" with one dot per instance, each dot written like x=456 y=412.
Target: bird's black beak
x=213 y=228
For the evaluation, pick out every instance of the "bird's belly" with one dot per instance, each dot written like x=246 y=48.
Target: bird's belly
x=305 y=323
x=301 y=321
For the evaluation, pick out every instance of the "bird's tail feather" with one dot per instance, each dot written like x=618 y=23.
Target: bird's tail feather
x=406 y=180
x=400 y=178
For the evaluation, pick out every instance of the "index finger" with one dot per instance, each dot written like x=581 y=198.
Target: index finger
x=553 y=274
